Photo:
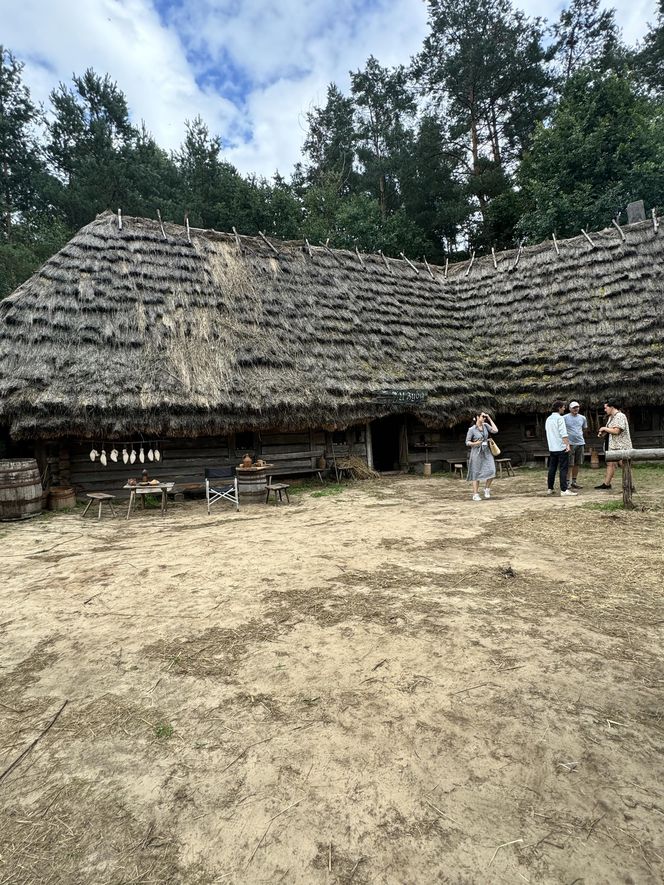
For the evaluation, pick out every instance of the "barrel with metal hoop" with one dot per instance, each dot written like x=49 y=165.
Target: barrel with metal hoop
x=20 y=489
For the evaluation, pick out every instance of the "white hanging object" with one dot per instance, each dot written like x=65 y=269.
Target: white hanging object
x=103 y=457
x=114 y=454
x=125 y=455
x=157 y=454
x=93 y=454
x=132 y=457
x=150 y=454
x=141 y=455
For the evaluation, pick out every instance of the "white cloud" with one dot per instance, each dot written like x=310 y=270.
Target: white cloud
x=262 y=65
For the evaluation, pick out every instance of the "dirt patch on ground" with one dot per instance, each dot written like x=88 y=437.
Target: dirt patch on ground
x=392 y=684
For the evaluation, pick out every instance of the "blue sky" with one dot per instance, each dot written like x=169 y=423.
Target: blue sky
x=251 y=68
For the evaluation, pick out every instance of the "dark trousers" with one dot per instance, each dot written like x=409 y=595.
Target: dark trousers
x=558 y=460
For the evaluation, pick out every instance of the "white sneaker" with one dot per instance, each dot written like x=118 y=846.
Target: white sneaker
x=549 y=491
x=476 y=498
x=568 y=493
x=487 y=493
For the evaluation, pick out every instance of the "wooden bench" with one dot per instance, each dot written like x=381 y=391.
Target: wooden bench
x=294 y=463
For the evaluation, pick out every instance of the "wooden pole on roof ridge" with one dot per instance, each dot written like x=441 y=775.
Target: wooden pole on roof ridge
x=447 y=264
x=426 y=263
x=518 y=255
x=408 y=261
x=161 y=224
x=619 y=229
x=380 y=252
x=265 y=240
x=555 y=244
x=119 y=219
x=470 y=264
x=655 y=222
x=186 y=224
x=585 y=234
x=237 y=239
x=357 y=252
x=309 y=249
x=327 y=249
x=493 y=255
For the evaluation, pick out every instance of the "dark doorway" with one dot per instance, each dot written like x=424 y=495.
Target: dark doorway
x=385 y=439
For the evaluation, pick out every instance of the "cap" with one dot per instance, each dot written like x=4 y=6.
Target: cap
x=574 y=404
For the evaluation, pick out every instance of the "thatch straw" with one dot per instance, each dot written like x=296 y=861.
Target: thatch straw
x=126 y=331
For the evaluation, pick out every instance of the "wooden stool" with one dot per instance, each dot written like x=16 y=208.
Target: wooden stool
x=507 y=464
x=457 y=469
x=278 y=488
x=101 y=497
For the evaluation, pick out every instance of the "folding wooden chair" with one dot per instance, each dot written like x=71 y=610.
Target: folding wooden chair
x=221 y=482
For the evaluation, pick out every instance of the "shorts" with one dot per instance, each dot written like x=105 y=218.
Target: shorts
x=576 y=454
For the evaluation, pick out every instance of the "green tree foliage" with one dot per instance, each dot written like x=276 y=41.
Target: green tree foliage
x=603 y=148
x=20 y=163
x=586 y=36
x=650 y=59
x=483 y=65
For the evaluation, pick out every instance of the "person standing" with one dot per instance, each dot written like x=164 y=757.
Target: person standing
x=575 y=424
x=616 y=430
x=481 y=464
x=558 y=442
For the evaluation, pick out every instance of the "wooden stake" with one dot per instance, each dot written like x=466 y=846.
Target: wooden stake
x=493 y=255
x=357 y=252
x=585 y=234
x=426 y=264
x=119 y=219
x=308 y=245
x=237 y=239
x=380 y=252
x=555 y=245
x=472 y=259
x=161 y=224
x=186 y=222
x=408 y=261
x=265 y=240
x=627 y=484
x=447 y=262
x=655 y=222
x=619 y=229
x=518 y=255
x=327 y=249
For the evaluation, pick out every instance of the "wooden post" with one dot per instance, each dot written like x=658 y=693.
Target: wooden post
x=369 y=447
x=627 y=484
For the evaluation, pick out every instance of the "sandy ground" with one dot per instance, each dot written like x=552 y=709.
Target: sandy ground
x=386 y=685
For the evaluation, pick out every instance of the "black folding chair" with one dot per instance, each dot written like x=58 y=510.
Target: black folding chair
x=221 y=482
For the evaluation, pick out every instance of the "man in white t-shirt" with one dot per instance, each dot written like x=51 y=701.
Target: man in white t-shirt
x=558 y=442
x=617 y=431
x=576 y=424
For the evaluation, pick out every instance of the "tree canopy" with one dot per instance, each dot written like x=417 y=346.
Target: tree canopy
x=504 y=128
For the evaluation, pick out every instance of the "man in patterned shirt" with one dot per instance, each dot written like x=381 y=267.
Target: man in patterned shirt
x=617 y=431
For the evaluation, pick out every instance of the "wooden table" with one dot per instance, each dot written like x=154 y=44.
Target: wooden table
x=141 y=490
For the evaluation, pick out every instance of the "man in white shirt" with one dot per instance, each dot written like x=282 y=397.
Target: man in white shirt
x=576 y=424
x=558 y=442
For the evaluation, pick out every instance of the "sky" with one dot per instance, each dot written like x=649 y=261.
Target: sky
x=251 y=68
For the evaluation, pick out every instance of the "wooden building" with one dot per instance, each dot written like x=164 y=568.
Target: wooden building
x=208 y=345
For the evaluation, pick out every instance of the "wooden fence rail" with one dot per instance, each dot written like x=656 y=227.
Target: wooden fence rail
x=627 y=456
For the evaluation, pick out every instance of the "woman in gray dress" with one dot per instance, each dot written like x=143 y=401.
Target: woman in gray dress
x=481 y=465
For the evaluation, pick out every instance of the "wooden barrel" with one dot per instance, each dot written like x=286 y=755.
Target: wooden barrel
x=251 y=485
x=61 y=498
x=20 y=489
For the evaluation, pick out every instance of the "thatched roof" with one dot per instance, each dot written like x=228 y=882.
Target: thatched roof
x=134 y=329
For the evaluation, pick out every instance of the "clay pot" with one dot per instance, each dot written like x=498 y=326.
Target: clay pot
x=247 y=462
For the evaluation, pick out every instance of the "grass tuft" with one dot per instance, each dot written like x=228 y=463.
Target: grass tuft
x=163 y=730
